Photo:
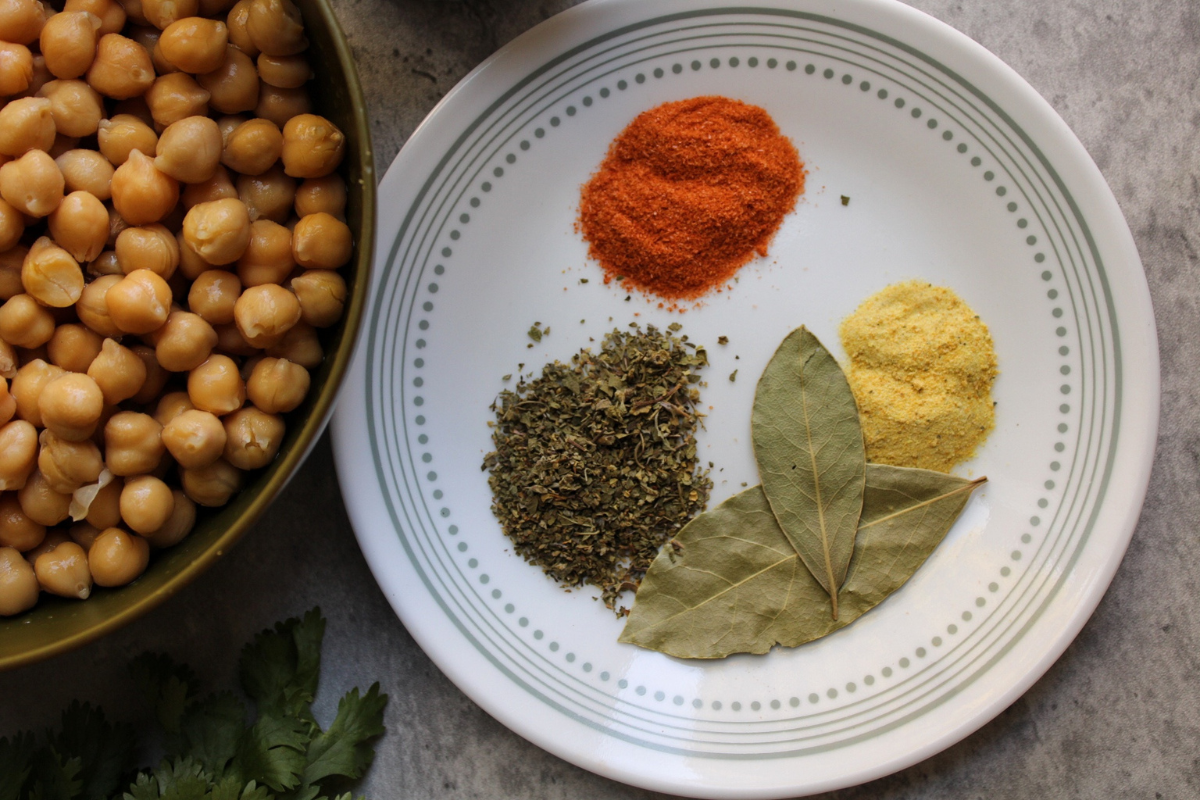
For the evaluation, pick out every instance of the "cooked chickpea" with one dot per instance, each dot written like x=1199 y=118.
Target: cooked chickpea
x=276 y=27
x=170 y=406
x=280 y=105
x=8 y=403
x=68 y=42
x=190 y=150
x=268 y=258
x=301 y=345
x=156 y=376
x=12 y=227
x=142 y=194
x=18 y=583
x=27 y=386
x=41 y=503
x=213 y=485
x=277 y=386
x=252 y=147
x=87 y=171
x=132 y=443
x=265 y=313
x=213 y=295
x=178 y=525
x=140 y=302
x=284 y=72
x=92 y=307
x=17 y=529
x=322 y=241
x=161 y=13
x=62 y=144
x=70 y=406
x=112 y=16
x=217 y=187
x=16 y=69
x=194 y=438
x=174 y=97
x=73 y=347
x=146 y=503
x=26 y=124
x=54 y=537
x=239 y=15
x=79 y=226
x=269 y=195
x=191 y=265
x=50 y=275
x=121 y=68
x=10 y=267
x=195 y=44
x=8 y=360
x=117 y=557
x=216 y=387
x=65 y=465
x=84 y=534
x=117 y=371
x=105 y=509
x=18 y=453
x=122 y=134
x=218 y=231
x=233 y=85
x=185 y=342
x=32 y=184
x=252 y=437
x=152 y=247
x=21 y=21
x=229 y=123
x=77 y=110
x=64 y=571
x=322 y=296
x=327 y=194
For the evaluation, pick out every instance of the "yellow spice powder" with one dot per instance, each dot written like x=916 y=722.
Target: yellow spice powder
x=921 y=368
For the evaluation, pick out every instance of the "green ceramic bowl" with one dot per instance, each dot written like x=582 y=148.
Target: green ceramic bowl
x=56 y=625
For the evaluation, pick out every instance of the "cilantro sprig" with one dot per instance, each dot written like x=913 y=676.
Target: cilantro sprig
x=215 y=747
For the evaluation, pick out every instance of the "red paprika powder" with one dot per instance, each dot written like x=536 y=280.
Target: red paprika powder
x=688 y=193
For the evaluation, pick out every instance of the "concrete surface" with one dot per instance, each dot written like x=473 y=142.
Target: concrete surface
x=1117 y=716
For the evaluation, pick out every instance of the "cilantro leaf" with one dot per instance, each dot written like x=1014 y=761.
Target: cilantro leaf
x=167 y=686
x=144 y=787
x=272 y=752
x=182 y=779
x=279 y=669
x=104 y=750
x=343 y=750
x=14 y=764
x=54 y=777
x=211 y=730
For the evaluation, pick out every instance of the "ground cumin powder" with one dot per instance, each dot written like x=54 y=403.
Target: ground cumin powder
x=921 y=368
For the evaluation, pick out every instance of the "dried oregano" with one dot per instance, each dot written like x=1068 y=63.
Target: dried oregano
x=595 y=463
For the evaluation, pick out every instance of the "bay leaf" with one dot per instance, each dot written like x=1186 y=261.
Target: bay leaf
x=809 y=449
x=731 y=582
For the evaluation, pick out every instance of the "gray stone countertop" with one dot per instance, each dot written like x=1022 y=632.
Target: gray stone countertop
x=1117 y=716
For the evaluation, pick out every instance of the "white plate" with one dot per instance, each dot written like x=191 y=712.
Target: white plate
x=957 y=173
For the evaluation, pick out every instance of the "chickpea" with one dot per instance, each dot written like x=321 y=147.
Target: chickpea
x=16 y=69
x=92 y=307
x=73 y=347
x=118 y=372
x=70 y=407
x=140 y=302
x=26 y=124
x=122 y=134
x=190 y=150
x=112 y=16
x=280 y=105
x=234 y=84
x=142 y=194
x=65 y=465
x=176 y=96
x=8 y=403
x=88 y=171
x=284 y=72
x=41 y=503
x=231 y=341
x=18 y=453
x=156 y=376
x=54 y=537
x=213 y=295
x=191 y=266
x=21 y=21
x=76 y=107
x=216 y=387
x=80 y=227
x=84 y=534
x=276 y=27
x=215 y=8
x=117 y=557
x=217 y=187
x=252 y=438
x=104 y=264
x=10 y=267
x=133 y=12
x=322 y=241
x=27 y=386
x=133 y=443
x=301 y=345
x=50 y=275
x=185 y=342
x=178 y=525
x=235 y=21
x=253 y=147
x=218 y=231
x=8 y=360
x=152 y=248
x=62 y=144
x=211 y=486
x=269 y=195
x=195 y=44
x=17 y=529
x=277 y=386
x=12 y=226
x=170 y=406
x=68 y=42
x=229 y=123
x=268 y=258
x=64 y=571
x=146 y=504
x=322 y=296
x=194 y=438
x=32 y=184
x=265 y=313
x=162 y=13
x=105 y=509
x=18 y=583
x=121 y=69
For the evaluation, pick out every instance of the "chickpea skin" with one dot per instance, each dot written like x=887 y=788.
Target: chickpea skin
x=146 y=504
x=185 y=342
x=12 y=227
x=8 y=403
x=322 y=296
x=218 y=187
x=73 y=347
x=32 y=184
x=263 y=314
x=133 y=443
x=216 y=386
x=212 y=486
x=276 y=27
x=280 y=105
x=194 y=438
x=190 y=150
x=122 y=134
x=50 y=275
x=140 y=302
x=284 y=72
x=176 y=96
x=21 y=21
x=26 y=124
x=68 y=43
x=218 y=231
x=18 y=583
x=213 y=295
x=117 y=371
x=70 y=406
x=268 y=258
x=269 y=195
x=41 y=503
x=195 y=44
x=16 y=68
x=162 y=13
x=27 y=386
x=239 y=14
x=18 y=453
x=156 y=376
x=301 y=345
x=277 y=386
x=65 y=465
x=117 y=557
x=64 y=571
x=141 y=193
x=252 y=437
x=79 y=226
x=121 y=68
x=327 y=194
x=87 y=171
x=234 y=85
x=25 y=323
x=112 y=16
x=92 y=307
x=253 y=147
x=152 y=247
x=178 y=525
x=322 y=241
x=170 y=406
